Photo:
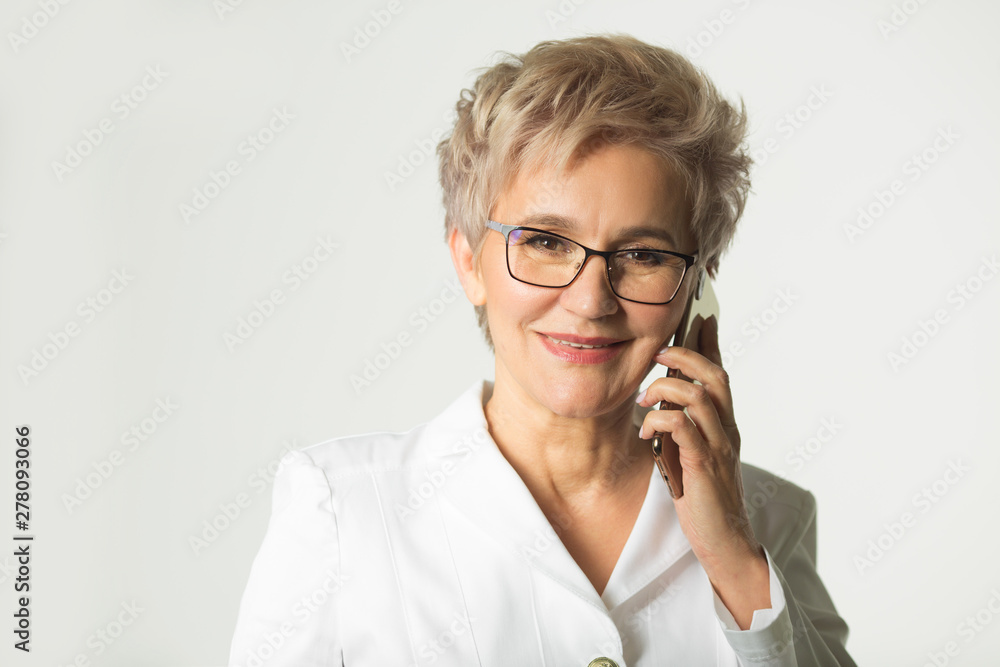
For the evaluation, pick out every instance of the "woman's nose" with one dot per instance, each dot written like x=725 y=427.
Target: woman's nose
x=590 y=295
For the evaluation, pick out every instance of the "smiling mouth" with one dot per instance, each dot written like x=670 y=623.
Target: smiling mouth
x=579 y=346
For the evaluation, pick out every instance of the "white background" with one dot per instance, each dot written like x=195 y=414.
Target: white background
x=891 y=90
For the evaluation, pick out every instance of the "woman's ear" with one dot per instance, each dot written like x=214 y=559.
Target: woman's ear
x=467 y=268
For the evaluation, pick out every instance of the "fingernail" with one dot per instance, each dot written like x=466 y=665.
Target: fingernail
x=664 y=350
x=642 y=431
x=642 y=395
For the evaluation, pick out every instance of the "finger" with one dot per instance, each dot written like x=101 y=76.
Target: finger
x=698 y=402
x=712 y=376
x=708 y=341
x=678 y=426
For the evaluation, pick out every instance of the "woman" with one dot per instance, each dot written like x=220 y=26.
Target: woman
x=527 y=523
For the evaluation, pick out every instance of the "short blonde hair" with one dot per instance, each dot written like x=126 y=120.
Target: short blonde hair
x=555 y=102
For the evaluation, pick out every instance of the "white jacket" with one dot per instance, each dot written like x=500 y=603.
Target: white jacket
x=426 y=548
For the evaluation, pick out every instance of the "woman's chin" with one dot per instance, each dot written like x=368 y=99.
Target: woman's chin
x=577 y=401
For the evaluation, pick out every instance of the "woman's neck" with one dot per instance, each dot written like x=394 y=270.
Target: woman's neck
x=567 y=460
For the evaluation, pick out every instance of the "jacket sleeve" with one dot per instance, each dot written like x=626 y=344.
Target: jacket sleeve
x=808 y=632
x=289 y=613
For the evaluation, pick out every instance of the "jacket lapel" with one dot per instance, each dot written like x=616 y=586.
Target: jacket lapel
x=655 y=544
x=483 y=486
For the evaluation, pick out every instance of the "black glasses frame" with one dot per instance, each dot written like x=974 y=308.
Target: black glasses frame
x=689 y=260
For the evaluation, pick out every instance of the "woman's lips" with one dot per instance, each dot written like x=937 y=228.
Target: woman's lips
x=607 y=348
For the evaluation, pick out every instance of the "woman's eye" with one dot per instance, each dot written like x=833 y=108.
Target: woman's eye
x=546 y=242
x=643 y=257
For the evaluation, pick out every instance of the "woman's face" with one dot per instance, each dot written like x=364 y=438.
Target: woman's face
x=601 y=201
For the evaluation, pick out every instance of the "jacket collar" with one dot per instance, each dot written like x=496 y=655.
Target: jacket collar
x=489 y=492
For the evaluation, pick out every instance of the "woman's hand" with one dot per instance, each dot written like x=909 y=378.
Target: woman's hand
x=711 y=511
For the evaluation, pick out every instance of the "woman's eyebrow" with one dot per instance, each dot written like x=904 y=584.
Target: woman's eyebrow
x=641 y=232
x=567 y=224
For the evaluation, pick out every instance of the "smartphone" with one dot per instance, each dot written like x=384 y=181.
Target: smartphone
x=701 y=305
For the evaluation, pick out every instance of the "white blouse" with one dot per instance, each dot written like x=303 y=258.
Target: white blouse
x=426 y=548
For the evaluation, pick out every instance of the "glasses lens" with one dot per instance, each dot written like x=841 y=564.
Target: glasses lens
x=551 y=261
x=651 y=277
x=543 y=259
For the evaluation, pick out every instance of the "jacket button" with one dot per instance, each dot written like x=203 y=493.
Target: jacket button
x=602 y=662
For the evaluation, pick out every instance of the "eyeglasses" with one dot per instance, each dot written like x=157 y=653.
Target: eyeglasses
x=544 y=259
